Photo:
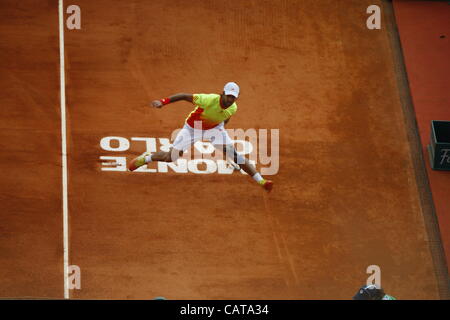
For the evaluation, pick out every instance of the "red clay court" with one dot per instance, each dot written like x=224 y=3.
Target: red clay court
x=353 y=188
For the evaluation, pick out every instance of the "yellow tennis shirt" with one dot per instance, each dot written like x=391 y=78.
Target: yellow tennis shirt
x=209 y=110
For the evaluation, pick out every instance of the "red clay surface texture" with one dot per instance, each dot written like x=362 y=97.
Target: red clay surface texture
x=31 y=237
x=345 y=196
x=425 y=31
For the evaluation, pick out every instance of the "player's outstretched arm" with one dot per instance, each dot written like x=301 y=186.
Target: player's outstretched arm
x=176 y=97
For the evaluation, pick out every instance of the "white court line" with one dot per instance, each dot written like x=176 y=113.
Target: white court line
x=64 y=150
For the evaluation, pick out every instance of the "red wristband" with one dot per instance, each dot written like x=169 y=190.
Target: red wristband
x=165 y=100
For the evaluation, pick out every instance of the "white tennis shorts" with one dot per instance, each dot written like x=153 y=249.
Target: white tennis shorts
x=188 y=136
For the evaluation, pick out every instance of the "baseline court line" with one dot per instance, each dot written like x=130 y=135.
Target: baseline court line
x=64 y=150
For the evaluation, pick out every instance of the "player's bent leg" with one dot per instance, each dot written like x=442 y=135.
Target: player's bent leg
x=251 y=171
x=184 y=139
x=248 y=168
x=162 y=156
x=173 y=154
x=159 y=156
